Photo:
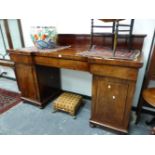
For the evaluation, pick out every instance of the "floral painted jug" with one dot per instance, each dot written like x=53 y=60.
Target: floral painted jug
x=44 y=37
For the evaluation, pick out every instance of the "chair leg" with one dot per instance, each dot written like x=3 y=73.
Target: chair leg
x=113 y=34
x=139 y=109
x=130 y=35
x=92 y=33
x=151 y=122
x=115 y=39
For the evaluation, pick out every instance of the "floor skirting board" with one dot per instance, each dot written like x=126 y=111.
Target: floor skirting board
x=8 y=77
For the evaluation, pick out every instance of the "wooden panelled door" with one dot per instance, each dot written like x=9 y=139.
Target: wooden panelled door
x=110 y=99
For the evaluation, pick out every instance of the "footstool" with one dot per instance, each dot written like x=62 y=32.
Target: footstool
x=68 y=102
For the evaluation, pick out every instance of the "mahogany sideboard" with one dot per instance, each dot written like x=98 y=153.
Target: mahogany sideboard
x=113 y=85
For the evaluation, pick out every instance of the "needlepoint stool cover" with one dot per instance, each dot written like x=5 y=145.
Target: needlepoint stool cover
x=68 y=102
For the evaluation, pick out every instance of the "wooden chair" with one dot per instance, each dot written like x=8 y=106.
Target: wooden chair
x=149 y=75
x=149 y=96
x=115 y=29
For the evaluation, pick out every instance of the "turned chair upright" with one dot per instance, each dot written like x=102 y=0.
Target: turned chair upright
x=115 y=29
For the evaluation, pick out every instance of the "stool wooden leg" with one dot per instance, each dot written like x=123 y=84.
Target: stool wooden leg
x=74 y=117
x=73 y=114
x=54 y=110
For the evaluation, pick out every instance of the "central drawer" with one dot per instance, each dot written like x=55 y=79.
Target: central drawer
x=62 y=63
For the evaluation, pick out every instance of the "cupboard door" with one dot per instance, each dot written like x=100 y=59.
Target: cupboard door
x=27 y=81
x=109 y=101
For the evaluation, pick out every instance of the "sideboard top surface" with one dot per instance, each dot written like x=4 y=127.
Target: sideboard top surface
x=80 y=43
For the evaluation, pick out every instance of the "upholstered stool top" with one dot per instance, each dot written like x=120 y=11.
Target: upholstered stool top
x=68 y=102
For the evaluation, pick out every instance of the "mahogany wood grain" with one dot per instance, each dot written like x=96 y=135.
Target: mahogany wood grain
x=37 y=84
x=26 y=75
x=21 y=58
x=62 y=63
x=118 y=62
x=100 y=40
x=6 y=63
x=149 y=96
x=110 y=103
x=113 y=84
x=114 y=71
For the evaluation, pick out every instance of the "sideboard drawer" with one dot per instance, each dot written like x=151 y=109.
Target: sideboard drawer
x=62 y=63
x=125 y=73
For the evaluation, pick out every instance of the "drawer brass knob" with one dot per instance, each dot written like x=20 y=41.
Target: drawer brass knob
x=60 y=56
x=109 y=86
x=114 y=97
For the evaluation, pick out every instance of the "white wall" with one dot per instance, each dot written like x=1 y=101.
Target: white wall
x=63 y=26
x=77 y=81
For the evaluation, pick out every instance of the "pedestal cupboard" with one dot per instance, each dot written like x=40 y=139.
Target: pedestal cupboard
x=113 y=85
